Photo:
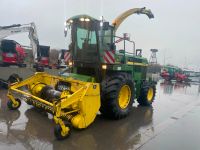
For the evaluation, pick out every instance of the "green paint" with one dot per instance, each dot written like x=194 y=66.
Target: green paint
x=80 y=77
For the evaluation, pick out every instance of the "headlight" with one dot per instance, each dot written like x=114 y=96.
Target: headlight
x=82 y=19
x=87 y=19
x=70 y=63
x=104 y=67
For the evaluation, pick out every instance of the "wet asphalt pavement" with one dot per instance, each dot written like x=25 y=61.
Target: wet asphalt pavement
x=172 y=122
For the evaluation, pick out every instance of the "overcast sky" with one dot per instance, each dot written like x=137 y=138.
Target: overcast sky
x=175 y=30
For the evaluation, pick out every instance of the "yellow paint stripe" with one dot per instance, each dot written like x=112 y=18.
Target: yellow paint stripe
x=136 y=63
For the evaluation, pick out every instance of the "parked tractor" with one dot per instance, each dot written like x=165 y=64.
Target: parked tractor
x=101 y=77
x=173 y=73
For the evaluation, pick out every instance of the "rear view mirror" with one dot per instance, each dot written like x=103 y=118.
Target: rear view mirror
x=139 y=52
x=105 y=25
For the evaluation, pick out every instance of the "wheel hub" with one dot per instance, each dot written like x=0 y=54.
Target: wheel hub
x=124 y=96
x=16 y=104
x=150 y=94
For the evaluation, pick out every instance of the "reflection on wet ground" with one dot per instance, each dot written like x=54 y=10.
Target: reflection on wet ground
x=169 y=87
x=30 y=128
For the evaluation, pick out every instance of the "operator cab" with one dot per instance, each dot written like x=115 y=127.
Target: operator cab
x=8 y=46
x=12 y=52
x=93 y=50
x=90 y=38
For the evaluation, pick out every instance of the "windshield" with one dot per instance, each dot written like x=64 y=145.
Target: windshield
x=85 y=42
x=85 y=37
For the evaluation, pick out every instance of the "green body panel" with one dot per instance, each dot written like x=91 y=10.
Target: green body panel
x=79 y=77
x=135 y=65
x=138 y=74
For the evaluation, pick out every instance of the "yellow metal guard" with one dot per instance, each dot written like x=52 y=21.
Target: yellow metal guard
x=78 y=104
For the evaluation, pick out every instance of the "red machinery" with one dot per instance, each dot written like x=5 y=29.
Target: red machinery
x=12 y=53
x=180 y=77
x=173 y=73
x=43 y=56
x=165 y=75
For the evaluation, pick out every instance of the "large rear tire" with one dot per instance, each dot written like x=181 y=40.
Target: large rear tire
x=117 y=95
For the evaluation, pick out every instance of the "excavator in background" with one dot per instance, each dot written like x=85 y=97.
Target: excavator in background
x=12 y=53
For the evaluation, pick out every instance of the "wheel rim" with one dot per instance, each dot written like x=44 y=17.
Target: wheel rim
x=15 y=105
x=124 y=96
x=65 y=134
x=150 y=94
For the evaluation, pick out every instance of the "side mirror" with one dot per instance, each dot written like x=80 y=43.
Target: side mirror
x=139 y=52
x=105 y=25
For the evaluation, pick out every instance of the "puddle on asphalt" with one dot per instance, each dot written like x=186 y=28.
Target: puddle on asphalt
x=29 y=128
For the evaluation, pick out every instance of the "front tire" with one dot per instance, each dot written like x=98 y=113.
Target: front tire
x=147 y=95
x=13 y=106
x=59 y=134
x=117 y=95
